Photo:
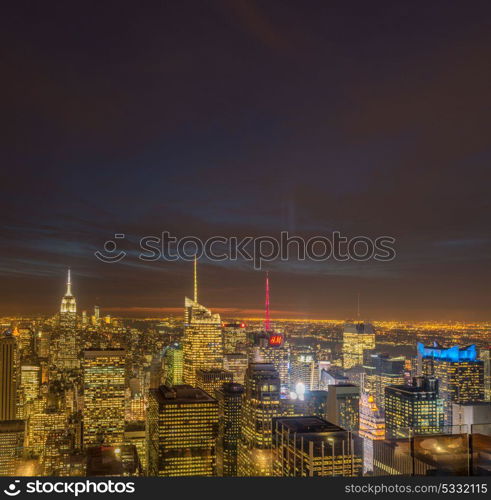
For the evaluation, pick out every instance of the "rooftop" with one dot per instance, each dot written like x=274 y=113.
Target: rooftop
x=12 y=425
x=306 y=425
x=231 y=388
x=96 y=353
x=181 y=394
x=453 y=354
x=365 y=328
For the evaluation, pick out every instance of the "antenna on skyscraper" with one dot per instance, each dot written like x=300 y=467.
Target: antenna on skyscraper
x=358 y=306
x=195 y=280
x=267 y=322
x=69 y=283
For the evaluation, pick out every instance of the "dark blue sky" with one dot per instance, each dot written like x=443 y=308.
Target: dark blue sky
x=248 y=117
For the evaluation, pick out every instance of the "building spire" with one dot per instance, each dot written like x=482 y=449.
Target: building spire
x=267 y=322
x=195 y=280
x=69 y=284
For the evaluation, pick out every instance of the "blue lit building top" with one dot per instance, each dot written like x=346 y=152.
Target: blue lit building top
x=454 y=354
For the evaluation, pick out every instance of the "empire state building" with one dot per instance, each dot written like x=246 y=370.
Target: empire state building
x=67 y=336
x=68 y=302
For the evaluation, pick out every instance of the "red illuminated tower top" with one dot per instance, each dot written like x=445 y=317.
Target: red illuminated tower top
x=267 y=322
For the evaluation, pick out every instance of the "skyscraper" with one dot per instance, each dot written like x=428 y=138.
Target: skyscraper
x=11 y=446
x=30 y=380
x=460 y=374
x=9 y=365
x=66 y=340
x=104 y=396
x=310 y=404
x=372 y=428
x=234 y=337
x=270 y=346
x=173 y=365
x=357 y=338
x=68 y=307
x=314 y=447
x=210 y=380
x=415 y=409
x=382 y=370
x=237 y=364
x=41 y=424
x=135 y=434
x=182 y=429
x=261 y=402
x=485 y=356
x=343 y=406
x=202 y=340
x=229 y=409
x=303 y=369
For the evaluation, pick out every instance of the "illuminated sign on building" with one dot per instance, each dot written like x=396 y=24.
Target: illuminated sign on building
x=275 y=339
x=454 y=354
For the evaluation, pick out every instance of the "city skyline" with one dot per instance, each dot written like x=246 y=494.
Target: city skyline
x=85 y=394
x=245 y=238
x=349 y=311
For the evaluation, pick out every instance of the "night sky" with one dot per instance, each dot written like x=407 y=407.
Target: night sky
x=247 y=118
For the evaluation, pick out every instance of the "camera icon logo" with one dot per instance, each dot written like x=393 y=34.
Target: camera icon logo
x=109 y=254
x=12 y=490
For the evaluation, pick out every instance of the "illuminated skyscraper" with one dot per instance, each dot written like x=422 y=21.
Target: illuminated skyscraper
x=312 y=403
x=261 y=403
x=30 y=380
x=68 y=307
x=314 y=447
x=66 y=340
x=55 y=455
x=173 y=365
x=343 y=406
x=202 y=340
x=182 y=428
x=372 y=428
x=237 y=364
x=357 y=338
x=9 y=365
x=25 y=341
x=331 y=377
x=416 y=408
x=104 y=396
x=42 y=343
x=135 y=434
x=229 y=410
x=270 y=346
x=234 y=337
x=303 y=369
x=11 y=446
x=485 y=356
x=41 y=424
x=210 y=380
x=381 y=371
x=135 y=407
x=97 y=315
x=460 y=374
